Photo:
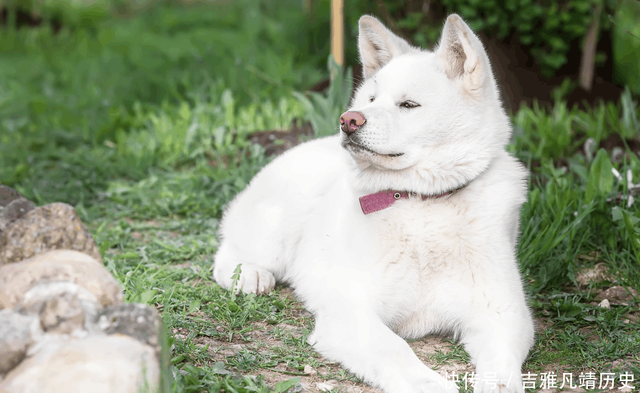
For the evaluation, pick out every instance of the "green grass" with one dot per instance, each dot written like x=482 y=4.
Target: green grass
x=85 y=106
x=143 y=123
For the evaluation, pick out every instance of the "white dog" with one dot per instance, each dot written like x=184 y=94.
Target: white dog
x=403 y=225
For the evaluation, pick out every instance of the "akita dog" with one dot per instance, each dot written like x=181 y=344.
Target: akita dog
x=405 y=224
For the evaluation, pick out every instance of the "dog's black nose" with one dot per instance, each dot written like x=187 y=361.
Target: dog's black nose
x=350 y=122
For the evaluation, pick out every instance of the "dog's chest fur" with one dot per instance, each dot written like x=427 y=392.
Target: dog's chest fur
x=420 y=245
x=434 y=256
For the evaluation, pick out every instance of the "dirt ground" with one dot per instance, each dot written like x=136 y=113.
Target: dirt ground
x=436 y=352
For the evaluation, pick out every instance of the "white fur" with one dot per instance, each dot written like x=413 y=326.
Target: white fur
x=443 y=265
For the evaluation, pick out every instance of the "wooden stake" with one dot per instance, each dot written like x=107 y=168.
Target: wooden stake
x=588 y=61
x=337 y=32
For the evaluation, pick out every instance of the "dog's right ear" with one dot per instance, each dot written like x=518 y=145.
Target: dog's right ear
x=462 y=56
x=378 y=45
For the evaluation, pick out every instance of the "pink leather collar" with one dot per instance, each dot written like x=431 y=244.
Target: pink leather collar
x=381 y=200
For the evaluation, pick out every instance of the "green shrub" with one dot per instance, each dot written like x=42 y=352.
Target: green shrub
x=626 y=45
x=71 y=13
x=547 y=28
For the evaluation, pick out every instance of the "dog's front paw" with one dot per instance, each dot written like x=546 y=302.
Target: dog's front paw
x=255 y=279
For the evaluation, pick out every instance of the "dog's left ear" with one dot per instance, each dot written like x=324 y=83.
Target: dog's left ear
x=461 y=55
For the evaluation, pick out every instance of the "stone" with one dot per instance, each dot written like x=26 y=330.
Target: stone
x=13 y=211
x=16 y=335
x=96 y=364
x=135 y=320
x=61 y=306
x=327 y=386
x=13 y=205
x=7 y=195
x=62 y=314
x=16 y=279
x=309 y=370
x=51 y=227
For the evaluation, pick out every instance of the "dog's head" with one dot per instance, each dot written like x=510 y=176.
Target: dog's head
x=423 y=121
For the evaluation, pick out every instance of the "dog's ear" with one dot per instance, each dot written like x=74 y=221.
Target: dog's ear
x=378 y=45
x=461 y=55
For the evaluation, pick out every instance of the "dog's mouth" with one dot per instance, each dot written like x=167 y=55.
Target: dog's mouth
x=356 y=147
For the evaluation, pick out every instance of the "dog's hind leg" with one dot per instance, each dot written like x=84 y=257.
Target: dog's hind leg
x=360 y=341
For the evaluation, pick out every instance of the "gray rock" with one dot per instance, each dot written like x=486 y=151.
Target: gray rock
x=62 y=314
x=96 y=364
x=13 y=205
x=17 y=279
x=8 y=194
x=61 y=306
x=135 y=320
x=50 y=227
x=13 y=211
x=16 y=335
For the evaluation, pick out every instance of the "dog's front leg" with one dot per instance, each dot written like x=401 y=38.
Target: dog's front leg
x=360 y=341
x=498 y=344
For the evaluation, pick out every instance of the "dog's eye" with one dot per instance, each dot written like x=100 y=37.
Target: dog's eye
x=371 y=99
x=409 y=104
